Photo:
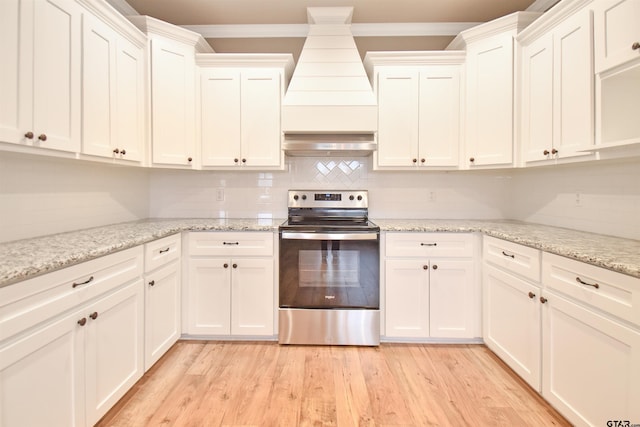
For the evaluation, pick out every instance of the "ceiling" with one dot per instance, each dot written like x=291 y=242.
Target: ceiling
x=279 y=26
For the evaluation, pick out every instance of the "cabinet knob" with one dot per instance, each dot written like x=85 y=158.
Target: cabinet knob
x=225 y=265
x=472 y=159
x=189 y=159
x=545 y=152
x=152 y=283
x=42 y=137
x=123 y=152
x=635 y=46
x=29 y=135
x=116 y=151
x=543 y=300
x=236 y=160
x=532 y=295
x=414 y=160
x=94 y=315
x=82 y=321
x=554 y=151
x=434 y=266
x=244 y=160
x=425 y=267
x=235 y=266
x=423 y=160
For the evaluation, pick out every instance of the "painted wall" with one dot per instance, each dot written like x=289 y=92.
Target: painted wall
x=42 y=195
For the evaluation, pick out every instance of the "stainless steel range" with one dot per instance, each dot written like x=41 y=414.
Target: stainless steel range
x=329 y=270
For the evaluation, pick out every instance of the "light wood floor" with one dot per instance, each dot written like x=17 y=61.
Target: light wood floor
x=199 y=383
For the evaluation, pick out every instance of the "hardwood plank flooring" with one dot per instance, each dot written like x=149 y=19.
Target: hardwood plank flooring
x=202 y=383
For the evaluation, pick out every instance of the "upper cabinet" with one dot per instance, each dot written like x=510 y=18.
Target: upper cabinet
x=239 y=109
x=419 y=106
x=173 y=74
x=114 y=94
x=617 y=62
x=489 y=89
x=40 y=43
x=556 y=86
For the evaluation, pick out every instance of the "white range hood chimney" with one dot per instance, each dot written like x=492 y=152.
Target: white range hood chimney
x=329 y=93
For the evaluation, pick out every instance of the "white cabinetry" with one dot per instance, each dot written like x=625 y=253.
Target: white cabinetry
x=173 y=96
x=230 y=288
x=617 y=62
x=239 y=110
x=162 y=297
x=591 y=342
x=557 y=85
x=40 y=80
x=71 y=341
x=489 y=89
x=418 y=109
x=113 y=119
x=511 y=310
x=430 y=286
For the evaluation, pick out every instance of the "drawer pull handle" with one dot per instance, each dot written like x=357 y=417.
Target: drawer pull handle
x=164 y=250
x=89 y=280
x=509 y=255
x=532 y=295
x=428 y=244
x=94 y=315
x=582 y=282
x=231 y=243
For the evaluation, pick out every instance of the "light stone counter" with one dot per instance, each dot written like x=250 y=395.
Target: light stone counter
x=23 y=259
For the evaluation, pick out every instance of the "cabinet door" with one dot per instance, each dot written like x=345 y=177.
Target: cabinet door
x=511 y=322
x=209 y=294
x=98 y=87
x=537 y=99
x=574 y=84
x=439 y=121
x=162 y=312
x=397 y=117
x=56 y=73
x=407 y=298
x=173 y=107
x=616 y=32
x=220 y=117
x=260 y=118
x=114 y=348
x=41 y=376
x=252 y=308
x=453 y=299
x=130 y=99
x=591 y=364
x=489 y=124
x=10 y=76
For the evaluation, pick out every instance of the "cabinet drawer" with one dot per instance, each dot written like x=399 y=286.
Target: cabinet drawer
x=160 y=252
x=614 y=293
x=28 y=303
x=512 y=257
x=231 y=243
x=429 y=245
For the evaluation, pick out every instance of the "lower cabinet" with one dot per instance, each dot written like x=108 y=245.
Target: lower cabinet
x=230 y=295
x=430 y=286
x=70 y=369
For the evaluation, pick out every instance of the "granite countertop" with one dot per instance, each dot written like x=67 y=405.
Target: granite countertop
x=23 y=259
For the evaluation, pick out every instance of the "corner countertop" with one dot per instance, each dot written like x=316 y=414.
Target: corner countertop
x=24 y=259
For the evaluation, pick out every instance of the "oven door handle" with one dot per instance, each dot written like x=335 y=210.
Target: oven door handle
x=289 y=235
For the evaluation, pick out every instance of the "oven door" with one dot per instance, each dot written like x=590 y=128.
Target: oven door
x=330 y=270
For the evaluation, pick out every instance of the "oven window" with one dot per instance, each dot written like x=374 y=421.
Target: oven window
x=329 y=274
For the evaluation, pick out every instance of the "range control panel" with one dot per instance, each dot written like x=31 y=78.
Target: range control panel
x=328 y=199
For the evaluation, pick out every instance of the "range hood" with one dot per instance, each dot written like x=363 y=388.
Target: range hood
x=329 y=106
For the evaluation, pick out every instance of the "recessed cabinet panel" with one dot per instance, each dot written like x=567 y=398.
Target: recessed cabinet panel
x=10 y=130
x=130 y=100
x=452 y=301
x=209 y=296
x=617 y=30
x=407 y=298
x=251 y=296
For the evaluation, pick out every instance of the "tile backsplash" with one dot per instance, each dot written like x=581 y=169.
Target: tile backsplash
x=41 y=195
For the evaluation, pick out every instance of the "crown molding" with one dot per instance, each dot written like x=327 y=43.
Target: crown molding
x=358 y=30
x=515 y=22
x=123 y=7
x=542 y=5
x=551 y=19
x=152 y=26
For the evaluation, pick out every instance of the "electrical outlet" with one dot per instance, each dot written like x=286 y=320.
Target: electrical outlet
x=578 y=199
x=220 y=195
x=432 y=196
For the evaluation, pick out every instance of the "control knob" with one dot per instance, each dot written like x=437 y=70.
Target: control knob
x=351 y=197
x=304 y=197
x=295 y=197
x=359 y=197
